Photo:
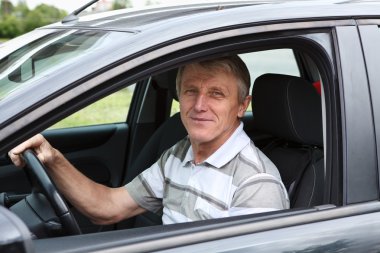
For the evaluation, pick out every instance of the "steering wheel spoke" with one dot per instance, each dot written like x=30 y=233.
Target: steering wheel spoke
x=42 y=184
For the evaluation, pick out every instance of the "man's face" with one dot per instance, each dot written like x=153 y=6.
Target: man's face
x=209 y=105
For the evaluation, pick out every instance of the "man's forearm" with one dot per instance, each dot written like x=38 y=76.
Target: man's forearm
x=103 y=205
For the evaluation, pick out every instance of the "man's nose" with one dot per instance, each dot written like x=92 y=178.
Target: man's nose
x=201 y=102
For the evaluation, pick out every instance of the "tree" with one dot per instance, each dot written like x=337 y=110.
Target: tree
x=121 y=4
x=16 y=20
x=151 y=2
x=21 y=10
x=10 y=27
x=6 y=7
x=50 y=13
x=42 y=15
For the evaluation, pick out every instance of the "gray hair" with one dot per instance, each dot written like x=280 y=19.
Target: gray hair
x=232 y=64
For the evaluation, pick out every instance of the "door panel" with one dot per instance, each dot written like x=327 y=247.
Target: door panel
x=12 y=179
x=97 y=151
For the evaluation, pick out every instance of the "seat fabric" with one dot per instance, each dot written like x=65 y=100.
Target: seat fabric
x=288 y=108
x=170 y=132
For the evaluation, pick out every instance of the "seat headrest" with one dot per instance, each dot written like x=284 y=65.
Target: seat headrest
x=172 y=83
x=287 y=107
x=167 y=80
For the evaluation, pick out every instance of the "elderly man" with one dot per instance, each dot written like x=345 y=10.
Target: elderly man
x=216 y=171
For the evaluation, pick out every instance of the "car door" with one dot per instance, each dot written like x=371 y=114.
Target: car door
x=101 y=140
x=97 y=148
x=93 y=141
x=348 y=220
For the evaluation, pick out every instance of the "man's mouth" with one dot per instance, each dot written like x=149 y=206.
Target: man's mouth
x=199 y=119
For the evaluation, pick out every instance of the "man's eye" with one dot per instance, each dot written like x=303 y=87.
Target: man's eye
x=216 y=93
x=190 y=92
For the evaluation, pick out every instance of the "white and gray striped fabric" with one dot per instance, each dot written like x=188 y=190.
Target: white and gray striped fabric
x=237 y=179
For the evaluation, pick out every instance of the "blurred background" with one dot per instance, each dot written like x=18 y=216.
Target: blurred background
x=21 y=16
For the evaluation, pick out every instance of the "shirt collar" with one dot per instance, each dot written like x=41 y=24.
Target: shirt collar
x=237 y=141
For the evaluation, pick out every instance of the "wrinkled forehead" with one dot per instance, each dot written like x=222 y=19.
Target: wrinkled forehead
x=199 y=77
x=202 y=71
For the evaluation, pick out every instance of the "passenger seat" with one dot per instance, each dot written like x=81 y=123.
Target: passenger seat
x=289 y=109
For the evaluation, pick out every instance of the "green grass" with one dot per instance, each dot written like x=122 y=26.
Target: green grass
x=112 y=109
x=175 y=107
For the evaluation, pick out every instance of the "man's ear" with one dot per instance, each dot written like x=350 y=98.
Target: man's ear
x=243 y=106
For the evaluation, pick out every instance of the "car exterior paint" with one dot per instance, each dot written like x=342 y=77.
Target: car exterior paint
x=346 y=34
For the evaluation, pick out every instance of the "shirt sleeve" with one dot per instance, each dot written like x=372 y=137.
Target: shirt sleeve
x=147 y=188
x=261 y=193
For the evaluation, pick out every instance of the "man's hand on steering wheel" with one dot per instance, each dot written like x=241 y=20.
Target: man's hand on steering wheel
x=41 y=147
x=36 y=155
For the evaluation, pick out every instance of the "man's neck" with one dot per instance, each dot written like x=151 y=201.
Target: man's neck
x=202 y=151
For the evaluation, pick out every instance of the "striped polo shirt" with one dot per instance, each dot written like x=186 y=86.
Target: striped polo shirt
x=236 y=179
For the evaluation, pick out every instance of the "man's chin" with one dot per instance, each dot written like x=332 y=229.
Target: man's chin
x=199 y=138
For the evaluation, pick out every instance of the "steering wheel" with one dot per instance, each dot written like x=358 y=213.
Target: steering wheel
x=41 y=183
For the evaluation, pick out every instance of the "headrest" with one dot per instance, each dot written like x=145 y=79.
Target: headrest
x=167 y=80
x=172 y=83
x=287 y=107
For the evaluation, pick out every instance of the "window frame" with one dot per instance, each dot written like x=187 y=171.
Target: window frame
x=369 y=30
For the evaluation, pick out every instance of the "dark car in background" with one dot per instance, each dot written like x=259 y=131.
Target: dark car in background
x=315 y=112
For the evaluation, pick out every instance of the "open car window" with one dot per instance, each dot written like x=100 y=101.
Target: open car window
x=280 y=61
x=111 y=109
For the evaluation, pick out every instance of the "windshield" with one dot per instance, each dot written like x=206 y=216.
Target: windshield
x=41 y=53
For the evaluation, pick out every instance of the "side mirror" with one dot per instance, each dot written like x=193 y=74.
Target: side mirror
x=14 y=235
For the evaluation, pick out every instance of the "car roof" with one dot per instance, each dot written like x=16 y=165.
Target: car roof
x=138 y=20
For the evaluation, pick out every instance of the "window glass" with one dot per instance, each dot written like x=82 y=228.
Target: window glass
x=46 y=54
x=175 y=107
x=111 y=109
x=279 y=61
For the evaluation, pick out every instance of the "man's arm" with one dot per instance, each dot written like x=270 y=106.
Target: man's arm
x=103 y=205
x=260 y=193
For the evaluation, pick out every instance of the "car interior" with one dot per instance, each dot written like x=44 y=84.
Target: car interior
x=287 y=127
x=285 y=121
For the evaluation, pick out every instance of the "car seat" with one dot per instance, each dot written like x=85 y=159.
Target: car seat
x=168 y=133
x=288 y=108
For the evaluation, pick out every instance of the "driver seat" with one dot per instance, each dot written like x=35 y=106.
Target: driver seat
x=168 y=133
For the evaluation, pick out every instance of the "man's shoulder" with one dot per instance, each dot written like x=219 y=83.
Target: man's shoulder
x=179 y=149
x=250 y=155
x=252 y=161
